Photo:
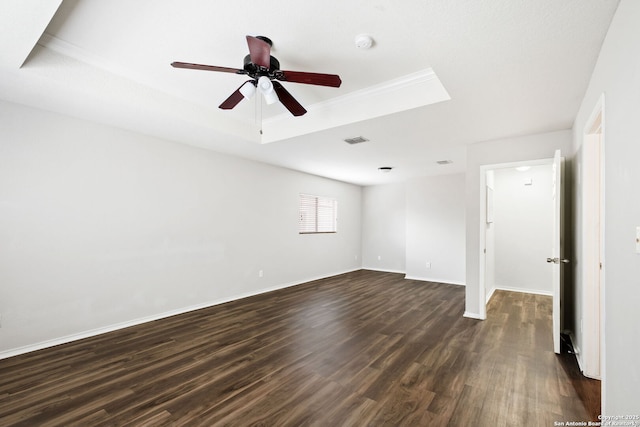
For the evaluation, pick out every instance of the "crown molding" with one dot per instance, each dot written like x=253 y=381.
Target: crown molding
x=404 y=93
x=410 y=91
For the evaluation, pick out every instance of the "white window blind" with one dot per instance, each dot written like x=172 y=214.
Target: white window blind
x=317 y=214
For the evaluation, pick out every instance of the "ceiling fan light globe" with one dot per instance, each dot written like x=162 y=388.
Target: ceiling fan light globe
x=265 y=85
x=270 y=97
x=248 y=90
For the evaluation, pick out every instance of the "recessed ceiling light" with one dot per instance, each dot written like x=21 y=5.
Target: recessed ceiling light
x=364 y=41
x=444 y=162
x=385 y=169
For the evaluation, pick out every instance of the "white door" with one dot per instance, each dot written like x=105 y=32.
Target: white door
x=556 y=256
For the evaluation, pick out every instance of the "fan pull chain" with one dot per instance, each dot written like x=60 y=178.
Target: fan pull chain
x=258 y=115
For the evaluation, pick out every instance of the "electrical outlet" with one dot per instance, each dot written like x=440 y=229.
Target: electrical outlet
x=379 y=257
x=260 y=273
x=428 y=265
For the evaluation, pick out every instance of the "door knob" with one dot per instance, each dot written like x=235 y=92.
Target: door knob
x=558 y=261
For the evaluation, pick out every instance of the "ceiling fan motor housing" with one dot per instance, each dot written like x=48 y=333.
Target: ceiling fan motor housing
x=254 y=71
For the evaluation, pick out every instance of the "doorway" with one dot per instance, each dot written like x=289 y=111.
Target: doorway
x=519 y=224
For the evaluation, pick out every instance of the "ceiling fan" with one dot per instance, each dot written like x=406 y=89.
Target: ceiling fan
x=266 y=76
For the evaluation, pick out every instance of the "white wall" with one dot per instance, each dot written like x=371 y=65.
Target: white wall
x=616 y=75
x=101 y=228
x=523 y=229
x=410 y=224
x=435 y=229
x=532 y=147
x=384 y=227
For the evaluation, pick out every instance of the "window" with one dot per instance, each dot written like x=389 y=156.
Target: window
x=317 y=214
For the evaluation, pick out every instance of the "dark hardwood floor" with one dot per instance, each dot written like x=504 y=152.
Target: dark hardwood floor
x=363 y=348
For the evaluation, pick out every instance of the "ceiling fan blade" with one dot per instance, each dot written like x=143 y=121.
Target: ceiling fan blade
x=320 y=79
x=233 y=100
x=288 y=100
x=260 y=52
x=207 y=67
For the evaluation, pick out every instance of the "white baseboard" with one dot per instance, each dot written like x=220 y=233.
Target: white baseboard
x=472 y=315
x=523 y=290
x=383 y=270
x=490 y=294
x=576 y=350
x=110 y=328
x=429 y=279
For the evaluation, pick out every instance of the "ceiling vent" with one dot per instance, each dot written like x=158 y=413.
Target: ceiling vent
x=444 y=162
x=356 y=140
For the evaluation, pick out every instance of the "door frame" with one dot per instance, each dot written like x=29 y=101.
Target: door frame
x=483 y=223
x=592 y=250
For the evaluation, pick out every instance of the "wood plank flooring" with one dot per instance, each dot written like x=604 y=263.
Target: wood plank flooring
x=360 y=349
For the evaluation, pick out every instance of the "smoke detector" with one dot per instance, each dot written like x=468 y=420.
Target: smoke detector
x=364 y=41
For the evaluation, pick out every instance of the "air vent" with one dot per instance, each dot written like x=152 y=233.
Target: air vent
x=385 y=169
x=444 y=162
x=356 y=140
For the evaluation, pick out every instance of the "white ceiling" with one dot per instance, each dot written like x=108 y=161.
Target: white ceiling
x=510 y=67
